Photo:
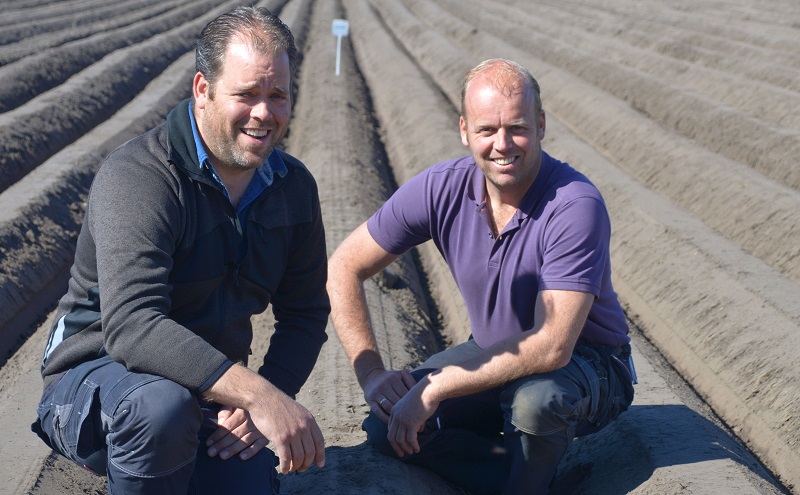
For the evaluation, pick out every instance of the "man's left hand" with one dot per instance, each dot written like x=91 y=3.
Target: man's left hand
x=408 y=418
x=236 y=434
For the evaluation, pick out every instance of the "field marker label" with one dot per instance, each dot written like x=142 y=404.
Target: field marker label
x=339 y=28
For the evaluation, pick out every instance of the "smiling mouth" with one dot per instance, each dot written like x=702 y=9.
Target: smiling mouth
x=503 y=161
x=256 y=133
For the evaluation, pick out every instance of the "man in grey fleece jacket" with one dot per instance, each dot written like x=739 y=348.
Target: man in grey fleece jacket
x=190 y=230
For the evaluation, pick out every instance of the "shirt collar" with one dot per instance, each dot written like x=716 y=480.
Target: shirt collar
x=477 y=187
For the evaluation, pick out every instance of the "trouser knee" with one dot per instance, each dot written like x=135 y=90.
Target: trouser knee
x=543 y=406
x=377 y=432
x=153 y=429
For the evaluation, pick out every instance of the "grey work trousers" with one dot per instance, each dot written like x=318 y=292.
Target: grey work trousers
x=510 y=439
x=146 y=433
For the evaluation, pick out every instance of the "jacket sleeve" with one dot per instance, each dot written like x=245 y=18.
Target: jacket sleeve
x=136 y=221
x=301 y=307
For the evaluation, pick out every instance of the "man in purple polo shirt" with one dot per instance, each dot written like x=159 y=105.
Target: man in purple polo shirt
x=527 y=240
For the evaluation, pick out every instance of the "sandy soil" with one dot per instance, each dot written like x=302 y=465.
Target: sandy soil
x=685 y=114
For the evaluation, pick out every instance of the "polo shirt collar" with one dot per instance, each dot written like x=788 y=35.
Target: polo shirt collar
x=477 y=192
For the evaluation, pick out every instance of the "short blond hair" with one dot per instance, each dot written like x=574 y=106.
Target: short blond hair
x=505 y=70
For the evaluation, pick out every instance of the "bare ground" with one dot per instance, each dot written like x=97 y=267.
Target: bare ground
x=684 y=114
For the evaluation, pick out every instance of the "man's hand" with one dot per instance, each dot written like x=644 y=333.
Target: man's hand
x=408 y=419
x=294 y=431
x=236 y=434
x=283 y=421
x=383 y=389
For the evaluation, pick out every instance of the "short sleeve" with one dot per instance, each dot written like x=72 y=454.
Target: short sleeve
x=403 y=221
x=576 y=246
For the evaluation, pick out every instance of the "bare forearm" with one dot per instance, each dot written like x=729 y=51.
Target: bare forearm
x=240 y=387
x=358 y=258
x=496 y=366
x=351 y=319
x=561 y=316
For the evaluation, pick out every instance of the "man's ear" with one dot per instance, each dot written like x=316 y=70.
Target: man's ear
x=542 y=125
x=201 y=88
x=462 y=126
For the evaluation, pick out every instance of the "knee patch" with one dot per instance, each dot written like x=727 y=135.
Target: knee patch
x=542 y=407
x=153 y=429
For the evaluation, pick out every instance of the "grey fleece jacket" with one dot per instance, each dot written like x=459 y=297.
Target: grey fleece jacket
x=165 y=280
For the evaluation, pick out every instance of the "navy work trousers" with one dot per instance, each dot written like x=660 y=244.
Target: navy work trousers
x=146 y=433
x=510 y=439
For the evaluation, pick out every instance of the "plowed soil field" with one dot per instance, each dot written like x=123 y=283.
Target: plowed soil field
x=686 y=115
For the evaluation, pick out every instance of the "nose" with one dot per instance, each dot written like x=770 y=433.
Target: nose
x=502 y=139
x=261 y=111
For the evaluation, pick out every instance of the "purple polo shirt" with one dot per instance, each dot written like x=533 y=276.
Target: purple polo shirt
x=558 y=239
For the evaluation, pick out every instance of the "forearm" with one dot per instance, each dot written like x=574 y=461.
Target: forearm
x=547 y=347
x=500 y=364
x=351 y=319
x=358 y=258
x=242 y=388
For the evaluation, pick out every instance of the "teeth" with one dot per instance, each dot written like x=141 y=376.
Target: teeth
x=255 y=133
x=503 y=161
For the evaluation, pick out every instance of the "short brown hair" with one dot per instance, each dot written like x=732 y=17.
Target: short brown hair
x=257 y=25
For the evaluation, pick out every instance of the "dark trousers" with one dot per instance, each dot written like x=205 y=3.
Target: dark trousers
x=146 y=433
x=510 y=439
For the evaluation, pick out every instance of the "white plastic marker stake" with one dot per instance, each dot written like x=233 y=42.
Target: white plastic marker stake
x=340 y=28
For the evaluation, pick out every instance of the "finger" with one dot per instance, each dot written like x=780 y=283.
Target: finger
x=232 y=441
x=224 y=413
x=412 y=444
x=386 y=404
x=242 y=442
x=225 y=425
x=253 y=448
x=297 y=453
x=220 y=433
x=319 y=445
x=284 y=458
x=309 y=451
x=379 y=412
x=221 y=443
x=392 y=437
x=408 y=379
x=399 y=389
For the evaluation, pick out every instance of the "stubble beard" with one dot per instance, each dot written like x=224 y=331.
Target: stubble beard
x=238 y=156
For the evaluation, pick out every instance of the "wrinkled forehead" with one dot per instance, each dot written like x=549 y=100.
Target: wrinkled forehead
x=498 y=81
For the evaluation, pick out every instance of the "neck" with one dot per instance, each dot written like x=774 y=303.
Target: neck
x=235 y=180
x=502 y=208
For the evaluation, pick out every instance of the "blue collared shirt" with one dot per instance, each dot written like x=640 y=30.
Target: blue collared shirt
x=262 y=179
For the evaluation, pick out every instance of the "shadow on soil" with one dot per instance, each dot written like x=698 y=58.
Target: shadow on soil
x=617 y=460
x=625 y=454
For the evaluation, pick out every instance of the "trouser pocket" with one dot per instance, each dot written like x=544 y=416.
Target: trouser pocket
x=74 y=424
x=70 y=416
x=614 y=387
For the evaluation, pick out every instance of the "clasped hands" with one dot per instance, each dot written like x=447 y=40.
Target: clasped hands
x=297 y=446
x=397 y=399
x=235 y=434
